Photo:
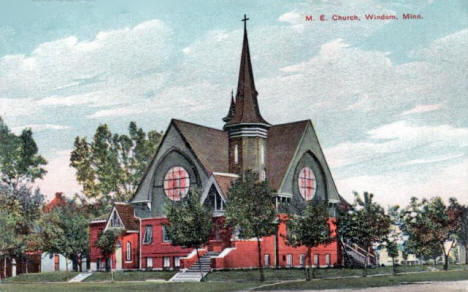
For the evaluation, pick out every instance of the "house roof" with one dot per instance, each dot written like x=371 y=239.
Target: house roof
x=282 y=143
x=126 y=214
x=57 y=201
x=209 y=145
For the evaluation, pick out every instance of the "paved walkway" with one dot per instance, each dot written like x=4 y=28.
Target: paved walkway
x=453 y=286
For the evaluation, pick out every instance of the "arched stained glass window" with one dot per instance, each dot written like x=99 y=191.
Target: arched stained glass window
x=176 y=183
x=307 y=183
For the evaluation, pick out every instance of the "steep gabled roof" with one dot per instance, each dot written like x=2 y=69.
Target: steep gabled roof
x=282 y=143
x=209 y=145
x=126 y=214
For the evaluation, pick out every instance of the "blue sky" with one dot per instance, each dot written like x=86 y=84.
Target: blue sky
x=388 y=99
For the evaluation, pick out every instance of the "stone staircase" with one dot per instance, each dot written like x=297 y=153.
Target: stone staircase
x=193 y=274
x=355 y=256
x=80 y=277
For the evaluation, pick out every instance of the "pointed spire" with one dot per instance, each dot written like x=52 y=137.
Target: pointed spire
x=230 y=113
x=246 y=104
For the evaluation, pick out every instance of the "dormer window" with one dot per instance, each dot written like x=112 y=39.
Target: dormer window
x=214 y=200
x=115 y=221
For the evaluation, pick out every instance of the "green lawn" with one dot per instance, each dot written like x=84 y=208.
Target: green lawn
x=294 y=274
x=126 y=286
x=130 y=276
x=41 y=277
x=378 y=281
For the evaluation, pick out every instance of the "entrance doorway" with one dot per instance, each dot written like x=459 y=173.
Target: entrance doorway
x=118 y=256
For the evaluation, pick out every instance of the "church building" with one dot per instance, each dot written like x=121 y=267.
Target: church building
x=288 y=155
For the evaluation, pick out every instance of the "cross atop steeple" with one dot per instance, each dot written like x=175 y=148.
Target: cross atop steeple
x=245 y=21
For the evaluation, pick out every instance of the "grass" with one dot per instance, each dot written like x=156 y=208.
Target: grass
x=294 y=274
x=41 y=277
x=130 y=276
x=126 y=286
x=378 y=281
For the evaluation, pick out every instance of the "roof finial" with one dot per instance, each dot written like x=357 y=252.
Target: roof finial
x=245 y=21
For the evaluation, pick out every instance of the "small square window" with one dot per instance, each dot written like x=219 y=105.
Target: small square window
x=177 y=262
x=167 y=262
x=149 y=263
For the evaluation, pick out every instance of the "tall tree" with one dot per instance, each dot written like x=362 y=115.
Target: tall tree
x=190 y=223
x=309 y=228
x=364 y=223
x=20 y=162
x=251 y=210
x=110 y=167
x=430 y=224
x=64 y=230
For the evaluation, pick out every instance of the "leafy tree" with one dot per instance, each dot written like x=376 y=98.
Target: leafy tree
x=310 y=228
x=110 y=167
x=20 y=162
x=64 y=230
x=364 y=223
x=19 y=210
x=190 y=223
x=462 y=235
x=392 y=251
x=9 y=219
x=394 y=237
x=429 y=224
x=251 y=210
x=106 y=243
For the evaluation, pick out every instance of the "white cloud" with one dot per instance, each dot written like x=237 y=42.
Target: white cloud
x=116 y=66
x=398 y=188
x=422 y=109
x=396 y=137
x=433 y=159
x=60 y=176
x=39 y=127
x=292 y=17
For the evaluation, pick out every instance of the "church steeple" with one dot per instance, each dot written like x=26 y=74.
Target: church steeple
x=246 y=110
x=248 y=131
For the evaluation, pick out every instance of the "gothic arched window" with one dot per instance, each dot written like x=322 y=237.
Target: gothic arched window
x=307 y=184
x=176 y=183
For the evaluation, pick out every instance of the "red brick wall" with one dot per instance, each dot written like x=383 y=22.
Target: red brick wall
x=158 y=249
x=245 y=254
x=95 y=253
x=94 y=230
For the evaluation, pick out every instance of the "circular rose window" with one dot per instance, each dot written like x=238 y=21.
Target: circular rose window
x=176 y=183
x=307 y=184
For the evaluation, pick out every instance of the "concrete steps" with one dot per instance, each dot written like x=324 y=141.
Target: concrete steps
x=193 y=274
